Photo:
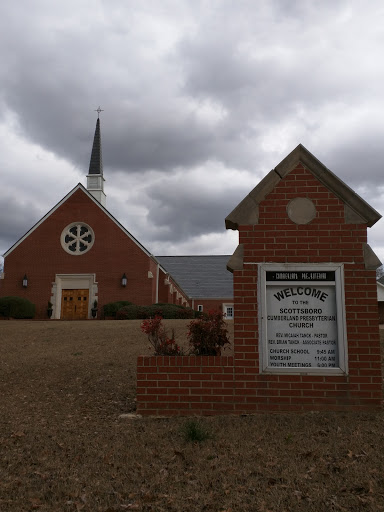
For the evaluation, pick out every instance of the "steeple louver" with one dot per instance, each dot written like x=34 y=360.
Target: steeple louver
x=95 y=180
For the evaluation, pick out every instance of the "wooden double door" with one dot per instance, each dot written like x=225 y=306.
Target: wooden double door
x=74 y=304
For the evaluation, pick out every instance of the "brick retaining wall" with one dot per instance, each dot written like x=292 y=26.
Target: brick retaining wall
x=186 y=385
x=189 y=385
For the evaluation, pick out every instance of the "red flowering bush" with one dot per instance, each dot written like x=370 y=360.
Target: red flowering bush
x=158 y=337
x=208 y=335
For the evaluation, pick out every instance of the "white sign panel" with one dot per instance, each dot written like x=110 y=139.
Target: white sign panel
x=302 y=320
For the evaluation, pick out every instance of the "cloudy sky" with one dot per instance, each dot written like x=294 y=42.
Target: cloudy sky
x=201 y=99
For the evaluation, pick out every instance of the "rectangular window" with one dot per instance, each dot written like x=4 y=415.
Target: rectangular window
x=228 y=311
x=302 y=319
x=200 y=308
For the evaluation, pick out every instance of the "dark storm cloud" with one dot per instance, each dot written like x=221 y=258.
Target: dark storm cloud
x=256 y=68
x=15 y=220
x=157 y=141
x=58 y=72
x=184 y=84
x=190 y=208
x=359 y=161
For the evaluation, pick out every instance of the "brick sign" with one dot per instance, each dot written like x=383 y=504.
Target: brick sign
x=306 y=334
x=302 y=319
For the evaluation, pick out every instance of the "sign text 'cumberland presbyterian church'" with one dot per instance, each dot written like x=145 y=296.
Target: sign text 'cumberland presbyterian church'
x=303 y=320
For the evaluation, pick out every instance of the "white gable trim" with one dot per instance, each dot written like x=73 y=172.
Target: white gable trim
x=43 y=219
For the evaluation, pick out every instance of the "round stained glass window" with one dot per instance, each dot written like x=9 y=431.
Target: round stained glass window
x=77 y=238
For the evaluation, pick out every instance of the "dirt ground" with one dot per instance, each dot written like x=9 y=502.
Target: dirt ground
x=65 y=447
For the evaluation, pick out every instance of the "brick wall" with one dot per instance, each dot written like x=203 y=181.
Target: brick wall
x=41 y=257
x=185 y=385
x=326 y=239
x=277 y=239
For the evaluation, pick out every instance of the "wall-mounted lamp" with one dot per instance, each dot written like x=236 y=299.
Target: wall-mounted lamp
x=25 y=281
x=124 y=280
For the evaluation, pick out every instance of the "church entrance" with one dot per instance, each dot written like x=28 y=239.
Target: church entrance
x=74 y=304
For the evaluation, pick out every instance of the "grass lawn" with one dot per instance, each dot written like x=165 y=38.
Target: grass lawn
x=64 y=446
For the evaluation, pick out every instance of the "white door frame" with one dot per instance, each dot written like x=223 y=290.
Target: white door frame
x=72 y=282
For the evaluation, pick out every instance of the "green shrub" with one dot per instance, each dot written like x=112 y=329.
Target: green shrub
x=168 y=304
x=122 y=303
x=112 y=308
x=133 y=312
x=172 y=311
x=144 y=312
x=129 y=312
x=16 y=307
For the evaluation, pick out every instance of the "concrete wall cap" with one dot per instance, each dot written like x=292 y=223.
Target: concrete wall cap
x=235 y=262
x=246 y=213
x=371 y=261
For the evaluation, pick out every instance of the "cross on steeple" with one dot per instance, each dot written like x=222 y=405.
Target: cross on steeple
x=98 y=110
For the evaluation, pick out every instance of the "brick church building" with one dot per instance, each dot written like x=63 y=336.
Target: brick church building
x=78 y=253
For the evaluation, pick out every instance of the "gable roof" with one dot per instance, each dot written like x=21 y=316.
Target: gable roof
x=79 y=186
x=200 y=276
x=246 y=212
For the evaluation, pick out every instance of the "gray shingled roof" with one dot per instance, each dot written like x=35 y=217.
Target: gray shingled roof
x=96 y=161
x=200 y=276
